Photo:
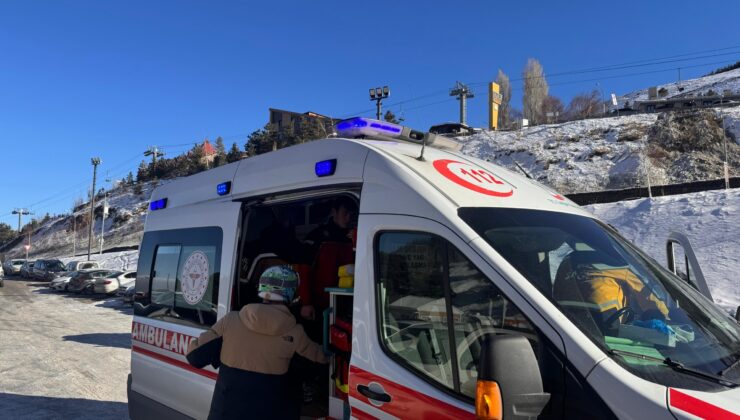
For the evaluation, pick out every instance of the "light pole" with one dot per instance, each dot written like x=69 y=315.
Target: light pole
x=95 y=162
x=378 y=94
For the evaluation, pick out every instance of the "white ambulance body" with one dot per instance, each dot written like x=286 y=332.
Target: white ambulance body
x=450 y=249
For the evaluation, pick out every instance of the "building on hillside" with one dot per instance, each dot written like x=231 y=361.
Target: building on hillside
x=282 y=120
x=209 y=153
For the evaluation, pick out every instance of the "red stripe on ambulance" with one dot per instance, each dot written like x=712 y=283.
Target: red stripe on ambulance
x=174 y=362
x=406 y=402
x=697 y=407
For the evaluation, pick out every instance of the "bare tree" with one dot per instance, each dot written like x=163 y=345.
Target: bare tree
x=535 y=91
x=552 y=109
x=504 y=111
x=584 y=105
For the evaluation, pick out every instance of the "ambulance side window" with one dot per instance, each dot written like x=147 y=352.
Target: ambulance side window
x=436 y=309
x=178 y=275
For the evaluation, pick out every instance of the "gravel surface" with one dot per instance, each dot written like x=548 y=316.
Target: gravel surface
x=62 y=356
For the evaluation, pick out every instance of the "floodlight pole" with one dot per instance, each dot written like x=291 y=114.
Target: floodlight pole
x=378 y=94
x=95 y=162
x=725 y=165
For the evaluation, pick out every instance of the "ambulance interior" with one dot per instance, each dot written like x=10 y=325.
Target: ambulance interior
x=276 y=232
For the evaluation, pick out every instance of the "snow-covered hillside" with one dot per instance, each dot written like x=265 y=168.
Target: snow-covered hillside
x=718 y=83
x=711 y=220
x=613 y=153
x=123 y=227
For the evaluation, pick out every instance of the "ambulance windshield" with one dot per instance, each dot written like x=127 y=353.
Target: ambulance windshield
x=639 y=313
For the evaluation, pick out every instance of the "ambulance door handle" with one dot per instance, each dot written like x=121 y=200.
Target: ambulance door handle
x=373 y=395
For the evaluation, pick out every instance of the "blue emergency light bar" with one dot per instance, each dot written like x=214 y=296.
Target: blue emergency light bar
x=158 y=204
x=326 y=167
x=223 y=188
x=366 y=128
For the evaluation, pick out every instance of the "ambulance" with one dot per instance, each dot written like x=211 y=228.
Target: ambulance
x=476 y=292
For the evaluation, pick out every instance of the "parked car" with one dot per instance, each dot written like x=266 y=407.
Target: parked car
x=453 y=129
x=47 y=270
x=82 y=265
x=128 y=294
x=13 y=267
x=84 y=281
x=26 y=268
x=61 y=283
x=110 y=284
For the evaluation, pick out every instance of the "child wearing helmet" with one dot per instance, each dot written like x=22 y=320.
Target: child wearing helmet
x=254 y=347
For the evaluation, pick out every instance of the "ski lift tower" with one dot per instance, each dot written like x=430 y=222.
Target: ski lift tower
x=463 y=93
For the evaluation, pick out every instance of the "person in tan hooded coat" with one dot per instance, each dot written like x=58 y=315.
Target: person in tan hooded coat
x=254 y=347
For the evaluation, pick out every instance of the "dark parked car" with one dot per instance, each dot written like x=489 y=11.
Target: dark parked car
x=26 y=269
x=453 y=129
x=85 y=280
x=47 y=270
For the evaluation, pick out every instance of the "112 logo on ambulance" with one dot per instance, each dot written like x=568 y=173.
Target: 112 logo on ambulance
x=473 y=178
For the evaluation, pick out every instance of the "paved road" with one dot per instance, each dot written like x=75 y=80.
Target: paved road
x=62 y=356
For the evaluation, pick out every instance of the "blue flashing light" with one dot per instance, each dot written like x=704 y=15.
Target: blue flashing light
x=326 y=167
x=223 y=188
x=351 y=123
x=158 y=204
x=386 y=127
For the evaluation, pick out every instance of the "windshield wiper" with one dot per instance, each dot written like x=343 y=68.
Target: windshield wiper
x=732 y=365
x=677 y=366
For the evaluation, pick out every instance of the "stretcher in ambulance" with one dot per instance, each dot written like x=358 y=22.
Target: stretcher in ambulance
x=475 y=291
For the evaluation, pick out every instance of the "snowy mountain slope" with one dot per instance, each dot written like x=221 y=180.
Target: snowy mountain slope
x=613 y=153
x=710 y=219
x=729 y=80
x=123 y=227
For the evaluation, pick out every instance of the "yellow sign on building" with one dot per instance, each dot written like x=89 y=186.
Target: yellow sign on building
x=494 y=100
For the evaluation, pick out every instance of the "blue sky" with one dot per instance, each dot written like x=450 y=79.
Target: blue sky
x=86 y=78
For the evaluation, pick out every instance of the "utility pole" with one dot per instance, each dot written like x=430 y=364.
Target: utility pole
x=378 y=94
x=463 y=93
x=95 y=162
x=20 y=213
x=102 y=225
x=74 y=233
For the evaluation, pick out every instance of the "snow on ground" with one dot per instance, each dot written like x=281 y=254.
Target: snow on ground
x=591 y=155
x=124 y=260
x=729 y=80
x=710 y=219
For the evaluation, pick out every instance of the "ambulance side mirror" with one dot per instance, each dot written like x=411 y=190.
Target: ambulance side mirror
x=509 y=380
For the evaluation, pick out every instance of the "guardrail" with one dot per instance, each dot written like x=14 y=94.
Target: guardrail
x=612 y=196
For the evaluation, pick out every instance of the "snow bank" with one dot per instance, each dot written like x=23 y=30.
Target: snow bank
x=710 y=219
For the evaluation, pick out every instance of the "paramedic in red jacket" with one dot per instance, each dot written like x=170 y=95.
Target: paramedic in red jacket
x=332 y=244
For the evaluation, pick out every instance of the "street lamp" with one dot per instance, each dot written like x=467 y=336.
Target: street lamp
x=378 y=94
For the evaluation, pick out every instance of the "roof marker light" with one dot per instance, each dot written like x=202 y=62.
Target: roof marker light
x=158 y=204
x=223 y=188
x=326 y=167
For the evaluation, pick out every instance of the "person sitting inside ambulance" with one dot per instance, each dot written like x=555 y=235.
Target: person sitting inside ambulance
x=336 y=230
x=609 y=284
x=254 y=347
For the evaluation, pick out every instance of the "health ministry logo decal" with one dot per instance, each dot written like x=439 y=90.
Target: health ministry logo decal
x=473 y=178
